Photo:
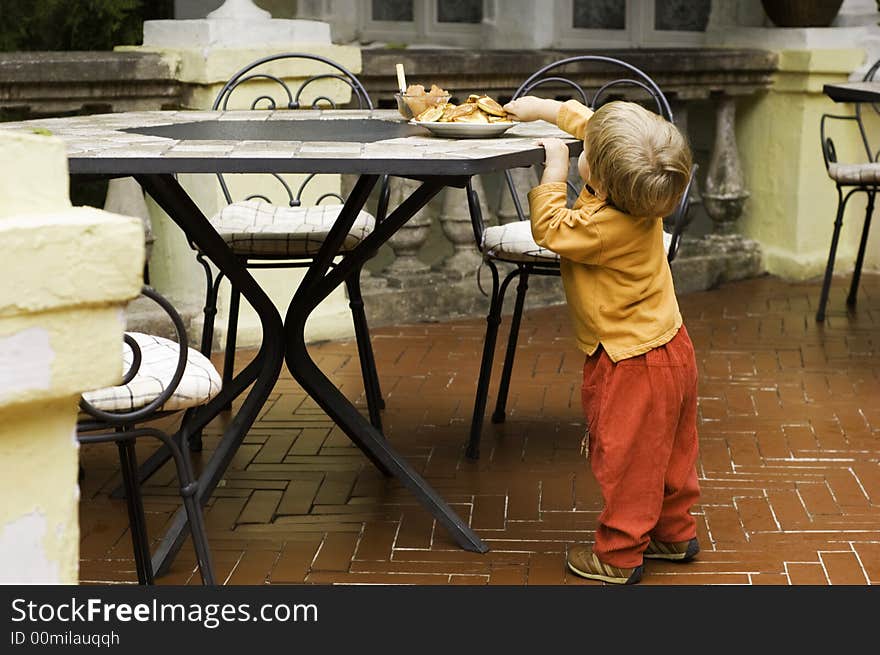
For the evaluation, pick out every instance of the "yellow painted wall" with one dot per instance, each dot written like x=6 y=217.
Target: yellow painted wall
x=68 y=273
x=39 y=522
x=793 y=201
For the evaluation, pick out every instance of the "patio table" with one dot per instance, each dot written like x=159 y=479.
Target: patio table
x=155 y=146
x=853 y=91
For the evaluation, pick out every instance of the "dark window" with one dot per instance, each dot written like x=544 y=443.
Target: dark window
x=393 y=10
x=599 y=14
x=459 y=11
x=682 y=15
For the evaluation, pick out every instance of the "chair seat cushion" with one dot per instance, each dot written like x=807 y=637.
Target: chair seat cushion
x=259 y=228
x=513 y=242
x=199 y=384
x=854 y=173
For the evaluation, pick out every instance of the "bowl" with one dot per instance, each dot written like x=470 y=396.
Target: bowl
x=411 y=106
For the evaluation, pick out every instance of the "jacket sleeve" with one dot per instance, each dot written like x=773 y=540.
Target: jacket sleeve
x=570 y=233
x=573 y=118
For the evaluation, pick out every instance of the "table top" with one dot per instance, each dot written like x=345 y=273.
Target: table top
x=853 y=91
x=314 y=141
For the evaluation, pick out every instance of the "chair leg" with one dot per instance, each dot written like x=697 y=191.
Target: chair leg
x=137 y=521
x=501 y=403
x=493 y=320
x=829 y=267
x=231 y=334
x=372 y=391
x=857 y=272
x=212 y=288
x=210 y=312
x=189 y=489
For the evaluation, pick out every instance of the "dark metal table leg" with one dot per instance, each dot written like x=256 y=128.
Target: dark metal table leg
x=262 y=372
x=317 y=285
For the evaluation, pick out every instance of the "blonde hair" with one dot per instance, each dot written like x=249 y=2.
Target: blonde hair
x=638 y=158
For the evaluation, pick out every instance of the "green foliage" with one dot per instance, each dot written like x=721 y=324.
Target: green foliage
x=76 y=24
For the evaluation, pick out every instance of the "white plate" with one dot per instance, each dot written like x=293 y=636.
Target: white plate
x=465 y=130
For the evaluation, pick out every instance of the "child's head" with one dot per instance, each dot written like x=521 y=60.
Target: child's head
x=638 y=160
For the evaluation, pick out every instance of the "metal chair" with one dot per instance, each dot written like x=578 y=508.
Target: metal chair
x=162 y=378
x=513 y=243
x=266 y=235
x=848 y=180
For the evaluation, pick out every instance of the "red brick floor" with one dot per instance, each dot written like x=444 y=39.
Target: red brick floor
x=790 y=444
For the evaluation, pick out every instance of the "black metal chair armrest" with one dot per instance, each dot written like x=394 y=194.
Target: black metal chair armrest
x=679 y=216
x=151 y=409
x=829 y=152
x=384 y=199
x=135 y=359
x=476 y=213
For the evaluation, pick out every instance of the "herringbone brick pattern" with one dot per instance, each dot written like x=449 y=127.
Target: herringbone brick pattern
x=790 y=444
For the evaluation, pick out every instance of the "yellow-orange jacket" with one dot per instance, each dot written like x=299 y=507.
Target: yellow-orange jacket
x=614 y=270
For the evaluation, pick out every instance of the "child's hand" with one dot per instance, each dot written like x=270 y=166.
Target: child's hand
x=556 y=160
x=530 y=108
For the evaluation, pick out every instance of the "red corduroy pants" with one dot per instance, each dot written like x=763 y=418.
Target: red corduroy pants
x=642 y=418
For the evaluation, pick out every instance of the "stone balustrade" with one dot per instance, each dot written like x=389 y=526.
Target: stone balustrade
x=37 y=84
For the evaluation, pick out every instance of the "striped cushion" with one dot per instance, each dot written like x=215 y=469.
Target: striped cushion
x=854 y=173
x=513 y=242
x=259 y=228
x=199 y=384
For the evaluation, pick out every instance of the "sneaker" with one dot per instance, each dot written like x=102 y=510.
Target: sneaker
x=675 y=551
x=583 y=561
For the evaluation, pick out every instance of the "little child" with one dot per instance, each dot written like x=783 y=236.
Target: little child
x=640 y=375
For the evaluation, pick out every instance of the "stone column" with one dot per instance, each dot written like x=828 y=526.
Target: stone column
x=67 y=273
x=705 y=261
x=409 y=239
x=455 y=219
x=680 y=111
x=125 y=196
x=523 y=180
x=725 y=193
